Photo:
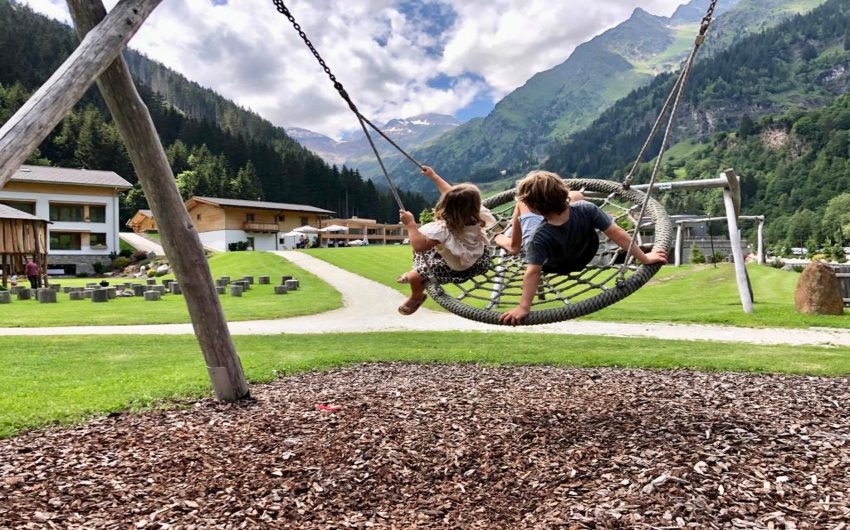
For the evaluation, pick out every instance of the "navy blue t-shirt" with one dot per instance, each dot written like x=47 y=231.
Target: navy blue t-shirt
x=572 y=245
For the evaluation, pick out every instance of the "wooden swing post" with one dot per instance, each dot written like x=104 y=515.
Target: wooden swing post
x=105 y=36
x=179 y=238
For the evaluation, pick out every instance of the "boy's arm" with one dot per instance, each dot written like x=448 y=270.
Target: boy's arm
x=530 y=282
x=442 y=185
x=418 y=241
x=623 y=240
x=512 y=244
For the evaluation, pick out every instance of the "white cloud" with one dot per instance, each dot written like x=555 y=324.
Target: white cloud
x=248 y=52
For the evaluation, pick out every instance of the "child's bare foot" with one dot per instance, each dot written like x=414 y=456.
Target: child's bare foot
x=411 y=305
x=403 y=279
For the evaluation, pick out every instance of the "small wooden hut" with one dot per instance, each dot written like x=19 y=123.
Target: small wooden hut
x=22 y=236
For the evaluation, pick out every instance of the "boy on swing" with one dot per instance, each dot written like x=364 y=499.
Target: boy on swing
x=557 y=229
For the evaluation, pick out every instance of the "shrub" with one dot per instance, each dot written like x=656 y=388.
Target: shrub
x=718 y=257
x=120 y=262
x=158 y=274
x=99 y=267
x=125 y=253
x=140 y=255
x=776 y=263
x=696 y=255
x=82 y=275
x=238 y=246
x=798 y=268
x=151 y=273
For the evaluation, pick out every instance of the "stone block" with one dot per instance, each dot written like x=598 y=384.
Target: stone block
x=166 y=283
x=280 y=289
x=151 y=281
x=56 y=287
x=111 y=293
x=5 y=297
x=25 y=294
x=76 y=295
x=221 y=282
x=284 y=278
x=174 y=287
x=220 y=289
x=235 y=290
x=87 y=293
x=139 y=290
x=291 y=285
x=92 y=286
x=67 y=290
x=99 y=295
x=152 y=296
x=16 y=289
x=249 y=279
x=46 y=296
x=225 y=279
x=264 y=280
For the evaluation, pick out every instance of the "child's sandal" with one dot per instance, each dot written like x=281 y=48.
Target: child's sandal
x=410 y=305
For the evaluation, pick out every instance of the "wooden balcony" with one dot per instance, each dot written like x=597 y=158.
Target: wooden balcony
x=253 y=226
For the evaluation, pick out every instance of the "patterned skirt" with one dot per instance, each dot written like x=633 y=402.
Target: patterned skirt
x=430 y=264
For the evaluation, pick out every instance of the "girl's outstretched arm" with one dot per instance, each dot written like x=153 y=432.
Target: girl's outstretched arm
x=418 y=241
x=442 y=185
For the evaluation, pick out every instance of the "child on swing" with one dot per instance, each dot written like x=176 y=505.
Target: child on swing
x=453 y=248
x=558 y=236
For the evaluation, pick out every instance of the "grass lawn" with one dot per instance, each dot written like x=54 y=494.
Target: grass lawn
x=699 y=293
x=314 y=296
x=65 y=379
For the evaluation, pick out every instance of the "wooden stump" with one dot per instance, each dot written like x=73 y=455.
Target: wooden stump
x=235 y=290
x=5 y=297
x=175 y=288
x=220 y=289
x=264 y=280
x=46 y=296
x=280 y=289
x=249 y=279
x=56 y=287
x=817 y=291
x=138 y=290
x=225 y=279
x=67 y=290
x=76 y=295
x=111 y=293
x=221 y=282
x=99 y=295
x=151 y=281
x=284 y=278
x=292 y=285
x=87 y=293
x=25 y=294
x=16 y=289
x=152 y=296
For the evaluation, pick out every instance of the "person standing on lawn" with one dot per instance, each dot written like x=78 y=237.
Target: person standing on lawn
x=33 y=273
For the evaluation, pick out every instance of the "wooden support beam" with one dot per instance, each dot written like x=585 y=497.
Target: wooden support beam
x=24 y=131
x=732 y=209
x=179 y=238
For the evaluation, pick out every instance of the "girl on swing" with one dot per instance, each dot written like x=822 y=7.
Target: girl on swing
x=453 y=248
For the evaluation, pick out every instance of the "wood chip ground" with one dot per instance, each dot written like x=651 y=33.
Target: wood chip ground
x=432 y=446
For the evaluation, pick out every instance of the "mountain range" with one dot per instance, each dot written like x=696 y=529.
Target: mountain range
x=406 y=132
x=561 y=101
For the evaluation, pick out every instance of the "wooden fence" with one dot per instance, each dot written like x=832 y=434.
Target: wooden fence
x=843 y=273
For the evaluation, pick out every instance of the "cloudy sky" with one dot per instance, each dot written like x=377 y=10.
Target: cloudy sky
x=396 y=58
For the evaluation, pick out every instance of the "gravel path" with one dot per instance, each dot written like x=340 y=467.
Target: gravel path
x=370 y=306
x=432 y=446
x=142 y=243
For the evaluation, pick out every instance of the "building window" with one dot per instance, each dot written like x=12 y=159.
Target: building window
x=304 y=221
x=68 y=213
x=249 y=217
x=65 y=240
x=24 y=206
x=281 y=218
x=97 y=214
x=97 y=241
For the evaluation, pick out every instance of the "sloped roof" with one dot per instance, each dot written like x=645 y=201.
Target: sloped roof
x=263 y=205
x=146 y=213
x=7 y=212
x=63 y=175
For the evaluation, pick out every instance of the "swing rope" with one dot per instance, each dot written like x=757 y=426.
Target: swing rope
x=363 y=120
x=675 y=97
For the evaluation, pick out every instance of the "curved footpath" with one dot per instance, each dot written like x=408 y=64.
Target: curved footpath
x=369 y=306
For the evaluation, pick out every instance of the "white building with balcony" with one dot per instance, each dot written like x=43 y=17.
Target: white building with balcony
x=82 y=206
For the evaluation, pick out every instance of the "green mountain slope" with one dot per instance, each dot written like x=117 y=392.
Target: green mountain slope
x=802 y=63
x=567 y=98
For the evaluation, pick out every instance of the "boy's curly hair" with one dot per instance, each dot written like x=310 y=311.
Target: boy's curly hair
x=544 y=192
x=459 y=207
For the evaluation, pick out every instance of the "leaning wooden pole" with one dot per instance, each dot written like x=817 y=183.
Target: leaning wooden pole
x=179 y=237
x=28 y=127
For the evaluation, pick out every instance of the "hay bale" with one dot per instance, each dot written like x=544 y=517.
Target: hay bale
x=817 y=291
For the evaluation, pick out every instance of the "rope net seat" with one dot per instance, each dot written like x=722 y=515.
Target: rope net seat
x=605 y=281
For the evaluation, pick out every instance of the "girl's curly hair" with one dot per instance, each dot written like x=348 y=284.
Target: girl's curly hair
x=459 y=207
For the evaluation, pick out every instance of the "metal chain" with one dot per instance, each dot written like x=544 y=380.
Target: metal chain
x=281 y=7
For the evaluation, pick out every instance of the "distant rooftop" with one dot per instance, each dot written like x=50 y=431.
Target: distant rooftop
x=62 y=175
x=7 y=212
x=263 y=205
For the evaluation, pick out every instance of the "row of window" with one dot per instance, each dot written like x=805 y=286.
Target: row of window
x=74 y=241
x=65 y=213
